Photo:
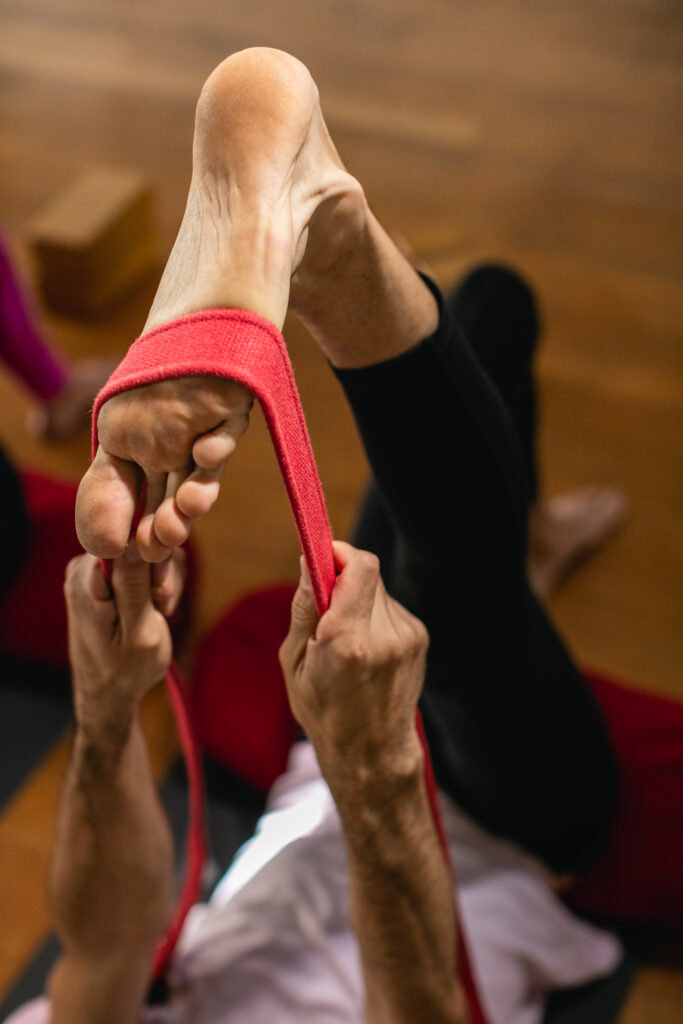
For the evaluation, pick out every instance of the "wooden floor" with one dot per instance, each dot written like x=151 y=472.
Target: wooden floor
x=541 y=134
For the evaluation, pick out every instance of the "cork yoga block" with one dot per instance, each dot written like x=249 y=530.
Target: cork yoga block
x=95 y=241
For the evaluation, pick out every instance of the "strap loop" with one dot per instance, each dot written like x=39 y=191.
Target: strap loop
x=249 y=349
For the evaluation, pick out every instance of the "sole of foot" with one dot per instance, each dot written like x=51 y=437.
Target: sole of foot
x=264 y=203
x=263 y=166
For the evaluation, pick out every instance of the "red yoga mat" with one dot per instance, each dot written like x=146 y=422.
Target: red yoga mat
x=249 y=349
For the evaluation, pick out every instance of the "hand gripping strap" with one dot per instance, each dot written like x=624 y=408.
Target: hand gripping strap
x=249 y=349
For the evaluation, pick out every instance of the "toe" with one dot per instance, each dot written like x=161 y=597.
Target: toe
x=105 y=505
x=149 y=545
x=170 y=525
x=197 y=495
x=168 y=579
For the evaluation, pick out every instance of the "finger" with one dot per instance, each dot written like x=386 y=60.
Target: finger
x=100 y=589
x=355 y=589
x=77 y=580
x=149 y=545
x=88 y=596
x=303 y=621
x=132 y=584
x=105 y=504
x=168 y=580
x=407 y=630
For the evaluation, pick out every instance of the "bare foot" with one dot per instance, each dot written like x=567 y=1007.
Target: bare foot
x=566 y=530
x=68 y=412
x=263 y=166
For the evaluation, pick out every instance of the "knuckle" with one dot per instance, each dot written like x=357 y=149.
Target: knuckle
x=330 y=628
x=369 y=562
x=354 y=651
x=418 y=635
x=392 y=651
x=144 y=642
x=72 y=572
x=422 y=635
x=283 y=654
x=71 y=567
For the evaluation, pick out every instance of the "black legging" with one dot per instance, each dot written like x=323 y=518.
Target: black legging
x=515 y=734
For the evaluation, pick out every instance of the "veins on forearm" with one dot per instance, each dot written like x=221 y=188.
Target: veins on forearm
x=401 y=902
x=111 y=874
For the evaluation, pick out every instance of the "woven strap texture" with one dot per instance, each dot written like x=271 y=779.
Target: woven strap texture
x=249 y=349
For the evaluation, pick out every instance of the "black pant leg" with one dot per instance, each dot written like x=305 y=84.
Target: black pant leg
x=515 y=734
x=498 y=314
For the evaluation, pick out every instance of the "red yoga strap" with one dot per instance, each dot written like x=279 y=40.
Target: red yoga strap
x=250 y=350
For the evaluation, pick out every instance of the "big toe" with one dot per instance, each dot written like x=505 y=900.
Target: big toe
x=105 y=505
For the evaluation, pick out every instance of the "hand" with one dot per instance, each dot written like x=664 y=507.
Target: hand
x=354 y=676
x=177 y=436
x=119 y=641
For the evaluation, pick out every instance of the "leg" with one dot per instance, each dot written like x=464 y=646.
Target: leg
x=252 y=197
x=497 y=312
x=504 y=705
x=22 y=347
x=65 y=391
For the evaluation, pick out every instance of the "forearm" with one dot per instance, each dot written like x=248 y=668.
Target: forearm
x=110 y=884
x=401 y=897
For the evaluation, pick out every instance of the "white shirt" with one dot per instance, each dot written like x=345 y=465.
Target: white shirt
x=274 y=944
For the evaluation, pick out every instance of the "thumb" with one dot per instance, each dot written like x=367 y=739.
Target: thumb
x=132 y=583
x=304 y=615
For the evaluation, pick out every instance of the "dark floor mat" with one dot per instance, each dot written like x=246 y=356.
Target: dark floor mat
x=31 y=982
x=34 y=710
x=598 y=1003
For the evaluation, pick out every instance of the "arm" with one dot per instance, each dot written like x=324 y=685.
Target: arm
x=401 y=899
x=354 y=679
x=111 y=877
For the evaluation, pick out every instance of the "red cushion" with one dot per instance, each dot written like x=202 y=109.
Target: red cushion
x=33 y=613
x=238 y=691
x=639 y=875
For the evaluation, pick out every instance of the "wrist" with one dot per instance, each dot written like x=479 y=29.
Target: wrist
x=374 y=779
x=103 y=724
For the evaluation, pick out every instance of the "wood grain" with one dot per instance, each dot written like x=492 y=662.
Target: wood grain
x=541 y=135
